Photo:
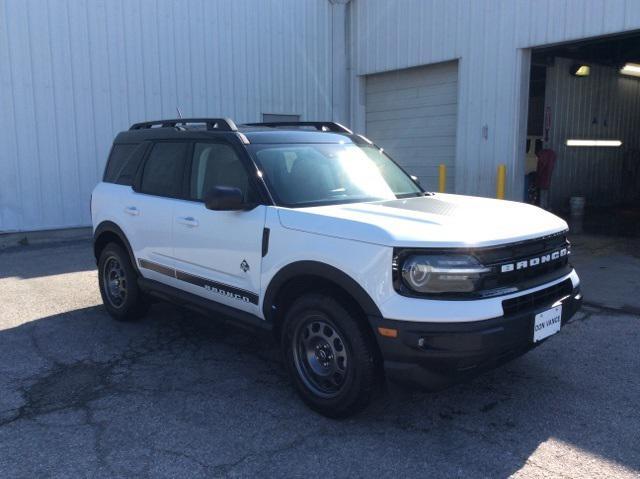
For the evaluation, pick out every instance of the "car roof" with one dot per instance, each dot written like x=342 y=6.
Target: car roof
x=255 y=133
x=293 y=135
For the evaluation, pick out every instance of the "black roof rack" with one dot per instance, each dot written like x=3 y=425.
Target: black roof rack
x=224 y=124
x=318 y=125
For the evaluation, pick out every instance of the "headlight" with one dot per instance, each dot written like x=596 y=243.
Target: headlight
x=442 y=273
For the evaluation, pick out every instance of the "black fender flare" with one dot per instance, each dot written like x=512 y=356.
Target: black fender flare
x=324 y=271
x=112 y=228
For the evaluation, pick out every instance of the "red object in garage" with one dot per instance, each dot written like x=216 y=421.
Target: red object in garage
x=546 y=162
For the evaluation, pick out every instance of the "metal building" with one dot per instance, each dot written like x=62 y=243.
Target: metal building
x=490 y=45
x=75 y=72
x=432 y=81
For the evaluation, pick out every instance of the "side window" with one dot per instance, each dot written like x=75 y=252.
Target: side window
x=162 y=174
x=118 y=159
x=217 y=164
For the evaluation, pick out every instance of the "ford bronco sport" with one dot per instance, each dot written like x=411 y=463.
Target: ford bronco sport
x=313 y=233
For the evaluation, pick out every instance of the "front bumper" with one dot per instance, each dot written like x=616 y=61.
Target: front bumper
x=435 y=355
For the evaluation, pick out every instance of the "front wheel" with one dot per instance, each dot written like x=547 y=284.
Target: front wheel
x=329 y=355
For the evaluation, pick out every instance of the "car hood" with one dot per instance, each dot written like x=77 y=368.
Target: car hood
x=439 y=220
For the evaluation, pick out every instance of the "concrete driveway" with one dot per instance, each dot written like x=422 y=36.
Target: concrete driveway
x=176 y=395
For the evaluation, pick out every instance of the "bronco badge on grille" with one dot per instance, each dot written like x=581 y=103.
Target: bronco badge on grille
x=535 y=261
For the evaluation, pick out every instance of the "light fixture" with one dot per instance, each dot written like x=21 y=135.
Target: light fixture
x=614 y=143
x=632 y=69
x=578 y=70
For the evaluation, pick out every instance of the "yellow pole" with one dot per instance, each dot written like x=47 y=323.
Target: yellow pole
x=442 y=183
x=502 y=175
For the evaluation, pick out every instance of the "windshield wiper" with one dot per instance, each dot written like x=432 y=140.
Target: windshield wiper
x=414 y=195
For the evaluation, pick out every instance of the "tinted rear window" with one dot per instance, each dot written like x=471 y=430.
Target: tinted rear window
x=118 y=162
x=163 y=169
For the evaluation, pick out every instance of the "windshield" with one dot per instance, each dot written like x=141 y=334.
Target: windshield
x=316 y=174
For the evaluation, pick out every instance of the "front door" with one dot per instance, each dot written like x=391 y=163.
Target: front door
x=218 y=254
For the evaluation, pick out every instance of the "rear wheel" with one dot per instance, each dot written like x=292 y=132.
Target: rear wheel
x=119 y=289
x=329 y=355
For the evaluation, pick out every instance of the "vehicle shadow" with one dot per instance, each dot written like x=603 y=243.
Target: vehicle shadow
x=180 y=395
x=34 y=261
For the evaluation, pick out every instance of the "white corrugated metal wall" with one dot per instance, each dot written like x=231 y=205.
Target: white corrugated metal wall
x=75 y=72
x=491 y=39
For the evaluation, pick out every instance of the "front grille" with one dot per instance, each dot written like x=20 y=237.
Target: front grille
x=526 y=278
x=523 y=249
x=538 y=299
x=511 y=254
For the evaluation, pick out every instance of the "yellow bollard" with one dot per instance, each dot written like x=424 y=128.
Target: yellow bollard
x=442 y=182
x=500 y=183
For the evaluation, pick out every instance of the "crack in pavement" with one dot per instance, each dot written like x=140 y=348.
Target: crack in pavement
x=227 y=468
x=74 y=385
x=78 y=385
x=626 y=310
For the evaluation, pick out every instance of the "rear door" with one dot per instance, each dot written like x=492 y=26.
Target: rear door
x=218 y=254
x=148 y=209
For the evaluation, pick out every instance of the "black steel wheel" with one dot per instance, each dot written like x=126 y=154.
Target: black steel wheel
x=321 y=356
x=330 y=355
x=115 y=281
x=119 y=286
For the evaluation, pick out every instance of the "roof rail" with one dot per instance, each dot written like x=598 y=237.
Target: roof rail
x=318 y=125
x=224 y=124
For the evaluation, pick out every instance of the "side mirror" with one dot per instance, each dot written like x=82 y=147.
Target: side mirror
x=224 y=198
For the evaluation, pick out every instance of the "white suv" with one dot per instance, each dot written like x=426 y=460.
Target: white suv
x=314 y=233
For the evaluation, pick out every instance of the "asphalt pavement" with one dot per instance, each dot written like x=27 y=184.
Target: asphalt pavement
x=178 y=395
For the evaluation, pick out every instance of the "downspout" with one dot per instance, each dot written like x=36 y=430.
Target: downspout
x=340 y=48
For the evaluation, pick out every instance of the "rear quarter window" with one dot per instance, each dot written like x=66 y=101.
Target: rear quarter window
x=119 y=166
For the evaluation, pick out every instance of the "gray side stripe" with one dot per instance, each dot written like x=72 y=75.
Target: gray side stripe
x=220 y=289
x=158 y=268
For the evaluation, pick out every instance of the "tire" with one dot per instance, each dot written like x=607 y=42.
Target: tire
x=329 y=356
x=118 y=282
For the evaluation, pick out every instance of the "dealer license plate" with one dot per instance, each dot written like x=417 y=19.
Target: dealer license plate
x=547 y=323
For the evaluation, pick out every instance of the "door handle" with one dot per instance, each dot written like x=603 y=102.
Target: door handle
x=188 y=221
x=132 y=210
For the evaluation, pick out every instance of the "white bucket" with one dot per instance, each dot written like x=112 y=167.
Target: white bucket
x=577 y=206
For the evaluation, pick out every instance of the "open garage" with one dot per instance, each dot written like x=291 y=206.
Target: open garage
x=584 y=124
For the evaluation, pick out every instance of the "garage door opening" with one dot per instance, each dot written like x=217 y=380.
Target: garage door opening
x=583 y=134
x=412 y=114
